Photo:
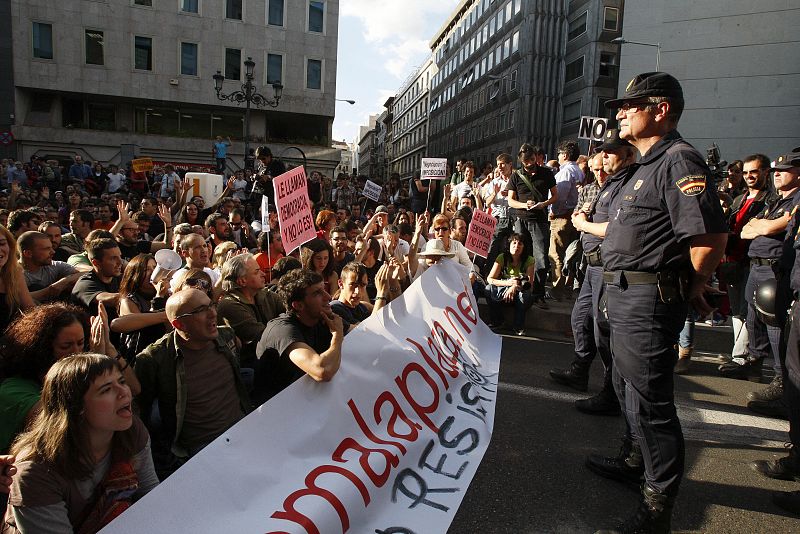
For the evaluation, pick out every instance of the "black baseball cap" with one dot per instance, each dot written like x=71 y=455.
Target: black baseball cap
x=649 y=84
x=787 y=161
x=612 y=140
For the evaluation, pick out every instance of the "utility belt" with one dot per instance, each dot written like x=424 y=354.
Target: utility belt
x=593 y=258
x=763 y=261
x=672 y=285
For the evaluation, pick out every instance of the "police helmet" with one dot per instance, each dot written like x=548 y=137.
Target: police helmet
x=765 y=301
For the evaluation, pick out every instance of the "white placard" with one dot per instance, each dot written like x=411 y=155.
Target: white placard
x=434 y=169
x=265 y=214
x=372 y=190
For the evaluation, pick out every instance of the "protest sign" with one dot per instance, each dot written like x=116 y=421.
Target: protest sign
x=434 y=169
x=265 y=214
x=592 y=128
x=372 y=190
x=390 y=444
x=207 y=185
x=481 y=230
x=294 y=208
x=142 y=164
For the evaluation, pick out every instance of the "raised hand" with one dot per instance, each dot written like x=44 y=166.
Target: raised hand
x=165 y=215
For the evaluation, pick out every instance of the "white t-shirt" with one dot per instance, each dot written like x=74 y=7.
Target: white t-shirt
x=115 y=182
x=240 y=189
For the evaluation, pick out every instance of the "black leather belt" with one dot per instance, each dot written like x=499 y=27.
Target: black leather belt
x=762 y=261
x=593 y=258
x=633 y=278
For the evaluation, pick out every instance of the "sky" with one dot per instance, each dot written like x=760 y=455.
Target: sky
x=380 y=44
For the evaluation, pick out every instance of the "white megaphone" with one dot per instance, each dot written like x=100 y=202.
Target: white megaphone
x=166 y=260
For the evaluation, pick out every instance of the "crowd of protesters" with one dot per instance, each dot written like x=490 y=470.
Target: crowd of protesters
x=116 y=370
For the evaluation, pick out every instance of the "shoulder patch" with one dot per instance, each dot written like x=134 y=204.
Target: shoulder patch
x=637 y=185
x=692 y=185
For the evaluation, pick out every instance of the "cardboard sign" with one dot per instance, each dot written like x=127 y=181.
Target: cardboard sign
x=265 y=214
x=372 y=190
x=434 y=169
x=207 y=185
x=294 y=208
x=593 y=128
x=390 y=444
x=481 y=230
x=142 y=164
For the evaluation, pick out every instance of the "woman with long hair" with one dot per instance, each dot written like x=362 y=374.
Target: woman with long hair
x=142 y=319
x=14 y=295
x=317 y=256
x=86 y=458
x=189 y=214
x=510 y=282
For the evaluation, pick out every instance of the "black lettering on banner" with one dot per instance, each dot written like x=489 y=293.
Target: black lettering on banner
x=453 y=443
x=423 y=463
x=422 y=490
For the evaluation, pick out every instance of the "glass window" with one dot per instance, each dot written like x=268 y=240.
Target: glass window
x=574 y=70
x=577 y=27
x=148 y=3
x=511 y=119
x=498 y=54
x=102 y=116
x=190 y=6
x=517 y=6
x=233 y=64
x=142 y=53
x=42 y=40
x=274 y=68
x=513 y=83
x=491 y=26
x=314 y=74
x=233 y=9
x=94 y=47
x=515 y=42
x=316 y=16
x=275 y=13
x=506 y=48
x=572 y=112
x=611 y=19
x=607 y=60
x=189 y=59
x=509 y=9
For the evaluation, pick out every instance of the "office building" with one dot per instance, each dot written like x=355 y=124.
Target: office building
x=410 y=124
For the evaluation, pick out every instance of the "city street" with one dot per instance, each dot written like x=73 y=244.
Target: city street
x=533 y=477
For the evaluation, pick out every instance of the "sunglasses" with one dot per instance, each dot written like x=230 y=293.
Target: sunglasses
x=201 y=309
x=442 y=229
x=634 y=107
x=198 y=283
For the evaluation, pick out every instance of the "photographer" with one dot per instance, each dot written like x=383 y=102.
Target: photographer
x=267 y=168
x=510 y=281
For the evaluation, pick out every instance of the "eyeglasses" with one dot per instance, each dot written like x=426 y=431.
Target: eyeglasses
x=442 y=229
x=201 y=309
x=634 y=107
x=197 y=282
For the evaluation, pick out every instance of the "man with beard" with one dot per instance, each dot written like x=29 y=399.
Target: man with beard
x=101 y=284
x=341 y=255
x=219 y=229
x=46 y=279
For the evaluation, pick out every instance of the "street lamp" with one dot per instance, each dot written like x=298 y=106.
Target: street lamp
x=621 y=41
x=249 y=95
x=351 y=102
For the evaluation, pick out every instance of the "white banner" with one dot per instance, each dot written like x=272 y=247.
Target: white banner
x=434 y=169
x=265 y=213
x=372 y=190
x=390 y=444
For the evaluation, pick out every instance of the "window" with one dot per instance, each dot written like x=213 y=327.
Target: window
x=314 y=74
x=574 y=70
x=577 y=27
x=233 y=9
x=611 y=19
x=94 y=47
x=148 y=3
x=509 y=8
x=506 y=48
x=189 y=59
x=275 y=12
x=607 y=63
x=511 y=119
x=517 y=6
x=42 y=40
x=142 y=53
x=513 y=84
x=572 y=112
x=274 y=68
x=101 y=116
x=190 y=6
x=503 y=122
x=515 y=42
x=316 y=16
x=233 y=64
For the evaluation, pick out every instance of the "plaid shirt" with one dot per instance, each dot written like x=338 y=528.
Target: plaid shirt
x=344 y=197
x=587 y=197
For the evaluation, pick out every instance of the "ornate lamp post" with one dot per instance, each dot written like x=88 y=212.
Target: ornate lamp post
x=249 y=95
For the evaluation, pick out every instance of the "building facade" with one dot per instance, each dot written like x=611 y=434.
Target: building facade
x=366 y=151
x=89 y=77
x=345 y=158
x=410 y=123
x=499 y=80
x=737 y=63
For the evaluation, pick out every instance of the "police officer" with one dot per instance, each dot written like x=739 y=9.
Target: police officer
x=591 y=335
x=767 y=231
x=665 y=237
x=788 y=467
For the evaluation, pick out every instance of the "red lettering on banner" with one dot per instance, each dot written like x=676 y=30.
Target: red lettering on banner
x=368 y=431
x=447 y=340
x=436 y=368
x=289 y=512
x=421 y=410
x=396 y=413
x=379 y=479
x=468 y=310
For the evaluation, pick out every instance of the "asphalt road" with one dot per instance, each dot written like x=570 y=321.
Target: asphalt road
x=533 y=479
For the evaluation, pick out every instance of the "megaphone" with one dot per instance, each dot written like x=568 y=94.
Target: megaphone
x=166 y=260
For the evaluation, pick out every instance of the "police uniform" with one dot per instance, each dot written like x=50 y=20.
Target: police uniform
x=667 y=199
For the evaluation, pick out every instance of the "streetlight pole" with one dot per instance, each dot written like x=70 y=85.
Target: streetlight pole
x=351 y=102
x=620 y=40
x=249 y=95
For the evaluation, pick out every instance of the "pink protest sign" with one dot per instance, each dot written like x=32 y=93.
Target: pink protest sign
x=294 y=211
x=481 y=230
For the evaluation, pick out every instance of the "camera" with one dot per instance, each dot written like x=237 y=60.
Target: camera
x=717 y=166
x=524 y=282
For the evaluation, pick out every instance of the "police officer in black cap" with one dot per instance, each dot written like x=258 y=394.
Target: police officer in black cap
x=788 y=467
x=665 y=237
x=767 y=231
x=589 y=329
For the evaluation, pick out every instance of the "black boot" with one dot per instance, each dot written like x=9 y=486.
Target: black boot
x=576 y=377
x=653 y=516
x=626 y=467
x=742 y=368
x=788 y=500
x=773 y=391
x=604 y=403
x=786 y=468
